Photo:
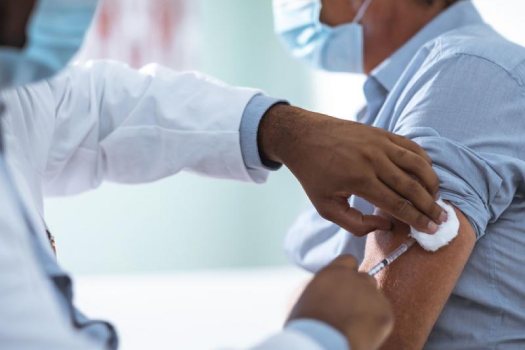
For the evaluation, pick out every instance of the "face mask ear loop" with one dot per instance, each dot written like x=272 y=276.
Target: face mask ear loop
x=362 y=10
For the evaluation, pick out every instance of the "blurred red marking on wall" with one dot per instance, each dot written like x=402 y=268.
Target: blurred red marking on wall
x=135 y=59
x=170 y=14
x=140 y=31
x=104 y=20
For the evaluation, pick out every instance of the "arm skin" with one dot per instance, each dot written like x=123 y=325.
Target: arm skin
x=418 y=284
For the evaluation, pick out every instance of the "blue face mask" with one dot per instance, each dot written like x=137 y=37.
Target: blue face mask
x=55 y=33
x=336 y=49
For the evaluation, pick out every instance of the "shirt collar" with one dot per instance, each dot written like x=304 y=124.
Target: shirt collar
x=460 y=14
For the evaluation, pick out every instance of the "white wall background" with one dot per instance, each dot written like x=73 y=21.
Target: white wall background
x=187 y=222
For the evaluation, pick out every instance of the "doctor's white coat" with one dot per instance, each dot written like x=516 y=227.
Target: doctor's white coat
x=103 y=122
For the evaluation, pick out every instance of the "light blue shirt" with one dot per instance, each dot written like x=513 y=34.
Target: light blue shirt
x=457 y=88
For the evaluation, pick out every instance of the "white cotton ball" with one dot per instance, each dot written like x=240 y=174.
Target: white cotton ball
x=446 y=233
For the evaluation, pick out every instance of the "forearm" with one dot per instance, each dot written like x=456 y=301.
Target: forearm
x=119 y=124
x=279 y=132
x=419 y=283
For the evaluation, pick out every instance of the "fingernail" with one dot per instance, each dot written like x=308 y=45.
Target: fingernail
x=443 y=217
x=433 y=227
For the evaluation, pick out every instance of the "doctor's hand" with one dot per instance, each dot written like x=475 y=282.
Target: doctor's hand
x=348 y=301
x=334 y=159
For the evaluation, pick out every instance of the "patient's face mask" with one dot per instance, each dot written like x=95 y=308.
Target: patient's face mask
x=55 y=32
x=337 y=49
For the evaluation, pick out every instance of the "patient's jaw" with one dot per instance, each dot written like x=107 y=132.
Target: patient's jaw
x=387 y=24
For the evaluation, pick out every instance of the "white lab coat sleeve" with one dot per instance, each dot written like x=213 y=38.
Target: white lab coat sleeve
x=30 y=316
x=132 y=126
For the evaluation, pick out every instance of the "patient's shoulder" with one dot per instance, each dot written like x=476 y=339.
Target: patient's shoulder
x=479 y=42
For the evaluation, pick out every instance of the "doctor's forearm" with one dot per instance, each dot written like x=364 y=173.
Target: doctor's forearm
x=278 y=133
x=334 y=159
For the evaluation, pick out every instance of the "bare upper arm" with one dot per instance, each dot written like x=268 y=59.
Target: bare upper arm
x=419 y=283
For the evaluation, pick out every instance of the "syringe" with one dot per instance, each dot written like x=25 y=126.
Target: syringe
x=402 y=249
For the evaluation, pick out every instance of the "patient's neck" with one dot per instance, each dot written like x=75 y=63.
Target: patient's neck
x=388 y=28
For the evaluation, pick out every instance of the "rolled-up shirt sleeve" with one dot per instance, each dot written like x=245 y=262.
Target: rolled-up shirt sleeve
x=467 y=113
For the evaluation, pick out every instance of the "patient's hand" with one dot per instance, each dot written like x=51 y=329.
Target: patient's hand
x=419 y=283
x=349 y=301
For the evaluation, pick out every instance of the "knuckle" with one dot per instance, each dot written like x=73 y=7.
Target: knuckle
x=436 y=210
x=426 y=176
x=402 y=207
x=412 y=186
x=401 y=153
x=420 y=151
x=368 y=155
x=421 y=169
x=395 y=180
x=417 y=148
x=425 y=158
x=421 y=164
x=421 y=220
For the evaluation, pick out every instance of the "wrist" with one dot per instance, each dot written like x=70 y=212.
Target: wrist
x=279 y=132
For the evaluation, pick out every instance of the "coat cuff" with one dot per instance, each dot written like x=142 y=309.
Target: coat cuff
x=253 y=113
x=323 y=334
